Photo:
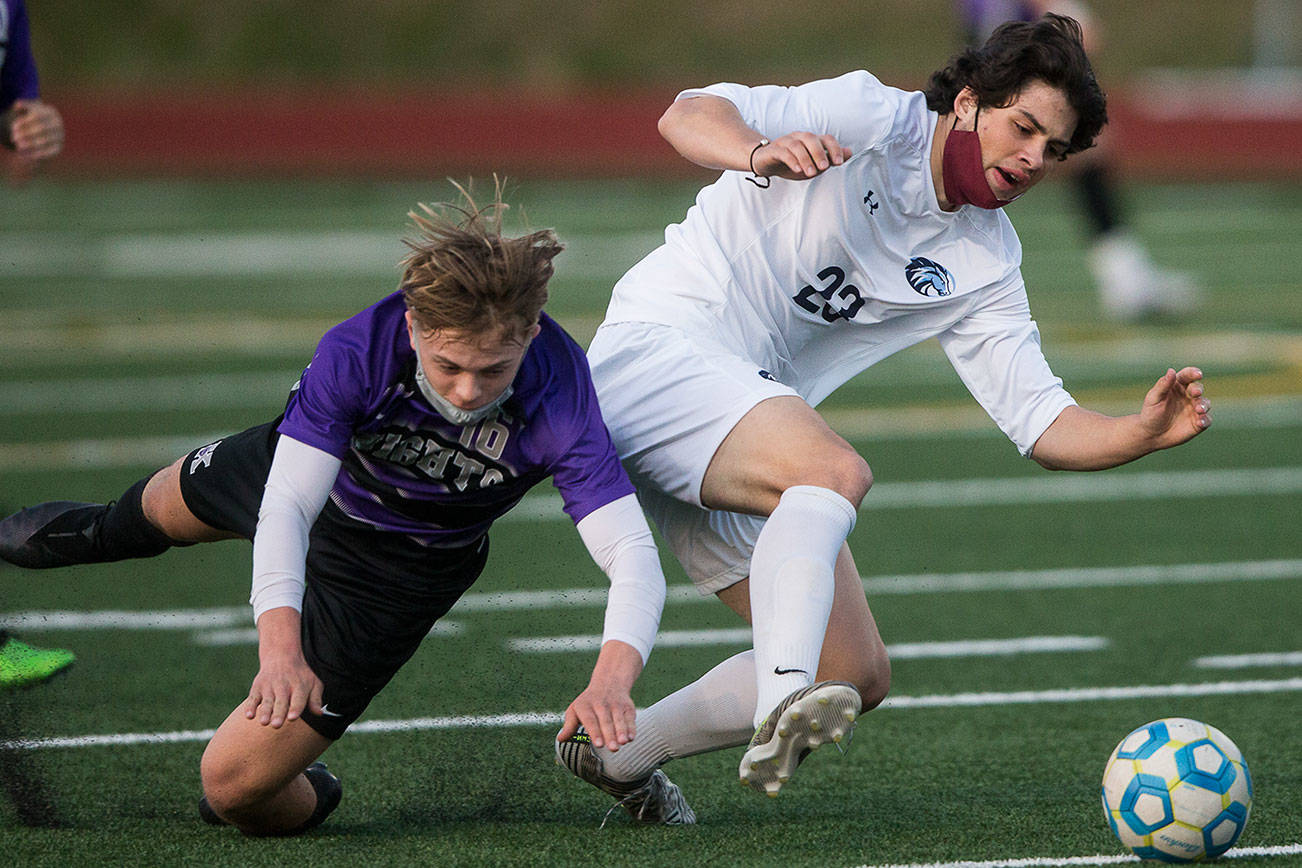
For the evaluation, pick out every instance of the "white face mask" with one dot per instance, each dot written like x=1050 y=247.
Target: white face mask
x=452 y=412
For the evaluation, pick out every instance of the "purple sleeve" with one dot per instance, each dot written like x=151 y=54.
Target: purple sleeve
x=18 y=73
x=588 y=474
x=329 y=401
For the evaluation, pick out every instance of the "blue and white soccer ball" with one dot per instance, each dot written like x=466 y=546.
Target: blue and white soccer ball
x=1177 y=790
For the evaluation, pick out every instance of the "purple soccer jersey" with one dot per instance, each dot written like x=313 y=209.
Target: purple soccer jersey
x=408 y=470
x=981 y=17
x=17 y=66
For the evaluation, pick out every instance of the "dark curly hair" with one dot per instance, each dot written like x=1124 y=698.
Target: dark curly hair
x=1047 y=50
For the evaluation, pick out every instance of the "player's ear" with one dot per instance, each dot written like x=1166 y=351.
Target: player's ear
x=965 y=106
x=411 y=331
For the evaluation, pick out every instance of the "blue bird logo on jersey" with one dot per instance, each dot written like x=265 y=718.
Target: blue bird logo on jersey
x=929 y=278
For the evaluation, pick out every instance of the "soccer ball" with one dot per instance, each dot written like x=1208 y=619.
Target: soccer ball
x=1177 y=790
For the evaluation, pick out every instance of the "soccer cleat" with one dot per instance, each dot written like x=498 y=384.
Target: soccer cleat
x=1132 y=287
x=208 y=815
x=654 y=799
x=328 y=791
x=55 y=534
x=22 y=665
x=807 y=719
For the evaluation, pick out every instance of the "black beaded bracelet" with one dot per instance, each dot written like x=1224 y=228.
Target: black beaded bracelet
x=756 y=177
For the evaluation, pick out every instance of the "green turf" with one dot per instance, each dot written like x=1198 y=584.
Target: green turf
x=987 y=782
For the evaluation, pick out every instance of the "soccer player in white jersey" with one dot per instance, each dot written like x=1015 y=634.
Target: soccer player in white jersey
x=851 y=220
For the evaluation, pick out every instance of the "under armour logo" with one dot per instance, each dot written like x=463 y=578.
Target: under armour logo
x=872 y=206
x=203 y=457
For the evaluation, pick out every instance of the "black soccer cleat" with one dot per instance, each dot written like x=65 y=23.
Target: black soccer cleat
x=59 y=533
x=328 y=793
x=208 y=815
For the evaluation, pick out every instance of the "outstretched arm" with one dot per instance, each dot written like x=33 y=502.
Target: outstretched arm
x=709 y=131
x=620 y=541
x=1174 y=411
x=297 y=487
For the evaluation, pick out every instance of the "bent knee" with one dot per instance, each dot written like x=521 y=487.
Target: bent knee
x=874 y=682
x=869 y=670
x=233 y=787
x=846 y=473
x=165 y=508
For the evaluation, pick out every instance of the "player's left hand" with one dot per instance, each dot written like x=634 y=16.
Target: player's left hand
x=799 y=156
x=606 y=712
x=35 y=129
x=1176 y=409
x=605 y=709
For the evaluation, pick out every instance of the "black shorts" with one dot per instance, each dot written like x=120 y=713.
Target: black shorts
x=371 y=596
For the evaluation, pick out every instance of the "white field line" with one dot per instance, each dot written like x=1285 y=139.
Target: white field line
x=1245 y=661
x=249 y=635
x=1081 y=488
x=248 y=389
x=100 y=454
x=934 y=494
x=552 y=718
x=266 y=254
x=897 y=651
x=1099 y=859
x=503 y=601
x=257 y=388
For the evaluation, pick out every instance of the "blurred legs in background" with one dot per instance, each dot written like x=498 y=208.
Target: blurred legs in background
x=1130 y=285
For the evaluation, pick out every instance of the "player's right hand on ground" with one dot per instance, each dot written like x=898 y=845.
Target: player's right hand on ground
x=799 y=156
x=283 y=687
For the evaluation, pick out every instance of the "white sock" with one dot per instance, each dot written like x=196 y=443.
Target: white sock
x=792 y=583
x=711 y=713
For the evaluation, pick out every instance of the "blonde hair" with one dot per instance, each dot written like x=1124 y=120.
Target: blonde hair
x=463 y=275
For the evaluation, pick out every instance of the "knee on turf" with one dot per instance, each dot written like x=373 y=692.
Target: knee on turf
x=874 y=681
x=236 y=787
x=869 y=672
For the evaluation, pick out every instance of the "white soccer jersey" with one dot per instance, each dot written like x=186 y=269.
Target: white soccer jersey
x=816 y=280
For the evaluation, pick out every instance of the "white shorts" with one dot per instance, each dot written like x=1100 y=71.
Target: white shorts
x=669 y=400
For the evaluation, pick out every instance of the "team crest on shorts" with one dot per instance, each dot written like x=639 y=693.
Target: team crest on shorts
x=928 y=277
x=203 y=457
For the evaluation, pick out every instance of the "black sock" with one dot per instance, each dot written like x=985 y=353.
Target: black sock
x=1099 y=197
x=123 y=531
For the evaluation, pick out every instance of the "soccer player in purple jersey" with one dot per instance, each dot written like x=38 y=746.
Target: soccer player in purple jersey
x=32 y=129
x=418 y=422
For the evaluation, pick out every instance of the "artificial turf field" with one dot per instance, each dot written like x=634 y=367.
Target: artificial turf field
x=139 y=319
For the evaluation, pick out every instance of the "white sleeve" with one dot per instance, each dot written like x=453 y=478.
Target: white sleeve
x=996 y=351
x=856 y=108
x=620 y=541
x=297 y=487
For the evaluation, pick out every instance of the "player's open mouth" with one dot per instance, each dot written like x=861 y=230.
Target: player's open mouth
x=1012 y=183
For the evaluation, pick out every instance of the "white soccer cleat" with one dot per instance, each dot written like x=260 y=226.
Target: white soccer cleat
x=654 y=799
x=807 y=719
x=1132 y=287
